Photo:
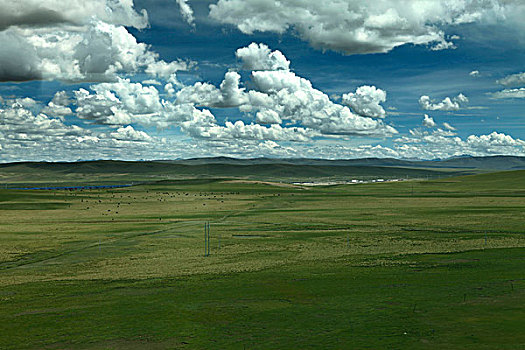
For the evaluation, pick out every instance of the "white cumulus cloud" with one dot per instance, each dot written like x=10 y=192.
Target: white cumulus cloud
x=366 y=101
x=448 y=126
x=509 y=93
x=278 y=96
x=444 y=144
x=428 y=121
x=359 y=27
x=58 y=106
x=229 y=94
x=75 y=41
x=513 y=80
x=128 y=133
x=260 y=57
x=48 y=13
x=186 y=11
x=447 y=104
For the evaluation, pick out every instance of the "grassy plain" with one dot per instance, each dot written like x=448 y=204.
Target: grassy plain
x=416 y=264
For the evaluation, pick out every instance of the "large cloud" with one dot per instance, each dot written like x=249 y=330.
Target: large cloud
x=229 y=94
x=26 y=135
x=279 y=96
x=20 y=126
x=447 y=104
x=128 y=133
x=443 y=144
x=186 y=11
x=358 y=27
x=428 y=121
x=120 y=103
x=58 y=106
x=75 y=41
x=509 y=93
x=366 y=101
x=493 y=141
x=125 y=102
x=19 y=60
x=260 y=57
x=278 y=114
x=98 y=53
x=46 y=13
x=208 y=129
x=517 y=79
x=295 y=99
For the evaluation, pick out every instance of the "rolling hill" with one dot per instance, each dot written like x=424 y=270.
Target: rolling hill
x=113 y=171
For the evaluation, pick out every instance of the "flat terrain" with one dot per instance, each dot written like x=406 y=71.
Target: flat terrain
x=417 y=264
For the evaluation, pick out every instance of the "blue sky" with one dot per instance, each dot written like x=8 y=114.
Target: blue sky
x=167 y=79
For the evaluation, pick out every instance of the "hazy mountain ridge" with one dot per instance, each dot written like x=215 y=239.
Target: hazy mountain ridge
x=482 y=163
x=489 y=163
x=111 y=172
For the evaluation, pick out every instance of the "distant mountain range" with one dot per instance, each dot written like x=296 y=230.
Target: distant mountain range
x=111 y=171
x=463 y=162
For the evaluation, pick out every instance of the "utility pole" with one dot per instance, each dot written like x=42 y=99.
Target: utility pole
x=206 y=239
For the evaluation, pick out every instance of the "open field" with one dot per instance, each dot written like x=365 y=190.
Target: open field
x=417 y=264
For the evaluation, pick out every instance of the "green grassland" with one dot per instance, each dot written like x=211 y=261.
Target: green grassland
x=407 y=265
